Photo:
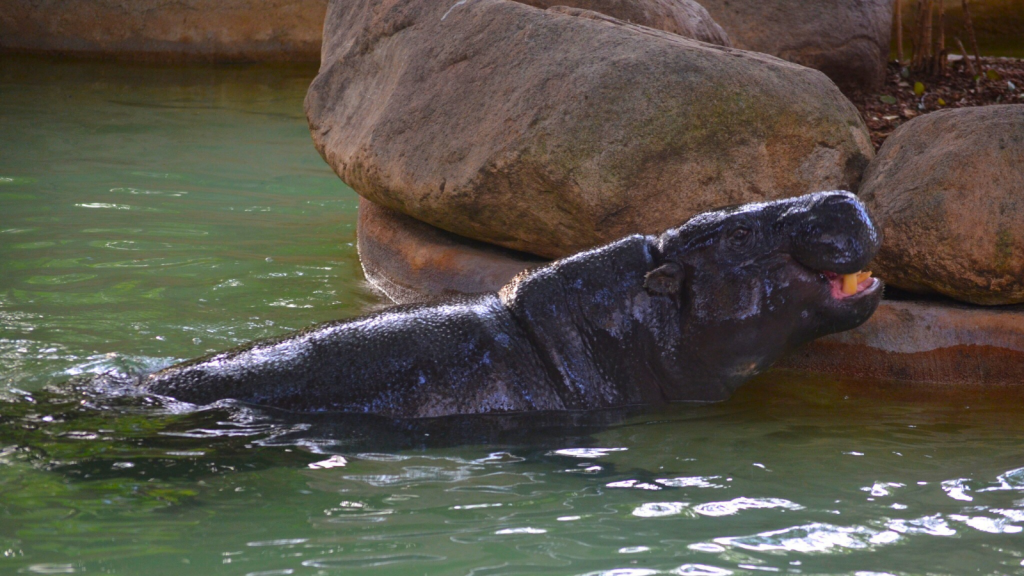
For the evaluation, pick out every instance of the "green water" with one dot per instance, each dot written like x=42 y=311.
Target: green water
x=150 y=214
x=158 y=213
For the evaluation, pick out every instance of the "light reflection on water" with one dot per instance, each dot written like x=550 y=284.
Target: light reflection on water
x=172 y=211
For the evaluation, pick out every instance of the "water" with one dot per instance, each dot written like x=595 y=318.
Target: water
x=151 y=214
x=159 y=213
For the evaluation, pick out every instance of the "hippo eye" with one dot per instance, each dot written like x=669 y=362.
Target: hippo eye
x=739 y=236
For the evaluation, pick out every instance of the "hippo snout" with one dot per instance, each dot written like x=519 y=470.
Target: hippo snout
x=833 y=232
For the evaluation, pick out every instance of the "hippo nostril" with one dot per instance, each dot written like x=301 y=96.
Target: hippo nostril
x=834 y=233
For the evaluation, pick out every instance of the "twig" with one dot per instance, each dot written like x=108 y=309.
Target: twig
x=899 y=32
x=940 y=45
x=926 y=42
x=972 y=37
x=915 y=59
x=967 y=59
x=922 y=60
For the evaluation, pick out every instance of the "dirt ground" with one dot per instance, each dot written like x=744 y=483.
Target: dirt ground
x=905 y=96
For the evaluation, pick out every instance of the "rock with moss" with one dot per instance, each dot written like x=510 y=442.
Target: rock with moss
x=846 y=39
x=549 y=133
x=684 y=17
x=947 y=191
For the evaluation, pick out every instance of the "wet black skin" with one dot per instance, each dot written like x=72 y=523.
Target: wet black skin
x=685 y=316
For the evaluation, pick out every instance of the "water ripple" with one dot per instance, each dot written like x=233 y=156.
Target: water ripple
x=986 y=524
x=369 y=561
x=662 y=509
x=738 y=504
x=1011 y=480
x=700 y=570
x=586 y=452
x=933 y=525
x=813 y=538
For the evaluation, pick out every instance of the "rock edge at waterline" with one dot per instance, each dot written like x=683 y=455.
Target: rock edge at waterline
x=909 y=341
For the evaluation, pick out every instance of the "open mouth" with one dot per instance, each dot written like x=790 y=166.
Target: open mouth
x=849 y=285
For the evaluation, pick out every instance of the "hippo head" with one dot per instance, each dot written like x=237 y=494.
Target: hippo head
x=754 y=281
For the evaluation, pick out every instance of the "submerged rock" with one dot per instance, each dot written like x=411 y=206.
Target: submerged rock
x=846 y=39
x=684 y=17
x=409 y=261
x=548 y=133
x=947 y=191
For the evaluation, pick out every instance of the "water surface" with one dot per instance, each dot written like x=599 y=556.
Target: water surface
x=151 y=214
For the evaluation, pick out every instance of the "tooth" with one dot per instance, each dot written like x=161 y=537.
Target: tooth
x=850 y=283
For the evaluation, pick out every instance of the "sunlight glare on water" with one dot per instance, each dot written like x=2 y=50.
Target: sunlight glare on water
x=150 y=214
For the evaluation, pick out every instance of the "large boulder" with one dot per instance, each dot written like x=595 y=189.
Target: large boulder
x=684 y=17
x=229 y=30
x=846 y=39
x=549 y=133
x=947 y=191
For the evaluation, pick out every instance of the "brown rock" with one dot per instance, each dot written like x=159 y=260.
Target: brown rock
x=947 y=192
x=846 y=39
x=549 y=134
x=409 y=261
x=908 y=341
x=684 y=17
x=159 y=29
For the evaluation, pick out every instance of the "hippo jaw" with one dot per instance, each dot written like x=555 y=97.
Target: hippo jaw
x=761 y=279
x=830 y=308
x=832 y=235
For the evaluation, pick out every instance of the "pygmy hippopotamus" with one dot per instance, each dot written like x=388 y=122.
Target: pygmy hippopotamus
x=685 y=316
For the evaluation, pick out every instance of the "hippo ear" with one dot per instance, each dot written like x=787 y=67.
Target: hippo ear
x=665 y=280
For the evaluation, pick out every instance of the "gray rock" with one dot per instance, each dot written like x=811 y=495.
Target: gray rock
x=846 y=39
x=549 y=134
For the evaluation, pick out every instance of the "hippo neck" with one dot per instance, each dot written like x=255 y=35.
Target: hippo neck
x=595 y=326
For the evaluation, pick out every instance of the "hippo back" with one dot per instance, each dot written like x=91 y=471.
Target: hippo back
x=463 y=356
x=595 y=326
